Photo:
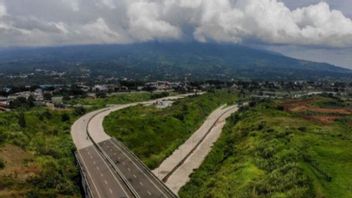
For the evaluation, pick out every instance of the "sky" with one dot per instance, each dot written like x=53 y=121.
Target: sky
x=308 y=29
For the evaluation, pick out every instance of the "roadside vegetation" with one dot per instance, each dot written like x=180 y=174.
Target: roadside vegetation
x=292 y=148
x=36 y=151
x=153 y=133
x=119 y=98
x=36 y=148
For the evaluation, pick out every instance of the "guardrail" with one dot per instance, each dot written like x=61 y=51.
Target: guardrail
x=85 y=185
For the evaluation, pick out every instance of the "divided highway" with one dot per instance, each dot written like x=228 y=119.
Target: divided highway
x=109 y=168
x=101 y=179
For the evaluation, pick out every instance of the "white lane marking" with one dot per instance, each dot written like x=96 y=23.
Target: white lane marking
x=110 y=190
x=129 y=170
x=94 y=162
x=117 y=181
x=149 y=193
x=89 y=175
x=98 y=168
x=106 y=182
x=139 y=168
x=140 y=183
x=134 y=176
x=101 y=175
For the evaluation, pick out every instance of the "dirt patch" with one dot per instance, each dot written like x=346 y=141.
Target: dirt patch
x=17 y=162
x=323 y=115
x=323 y=119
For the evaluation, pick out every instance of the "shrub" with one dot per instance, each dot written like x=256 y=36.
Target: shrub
x=22 y=120
x=65 y=117
x=80 y=111
x=2 y=164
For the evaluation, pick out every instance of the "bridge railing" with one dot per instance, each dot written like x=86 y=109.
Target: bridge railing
x=85 y=184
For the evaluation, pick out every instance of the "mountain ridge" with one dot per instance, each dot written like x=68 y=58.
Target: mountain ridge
x=156 y=60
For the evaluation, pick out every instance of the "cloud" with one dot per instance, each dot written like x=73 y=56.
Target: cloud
x=2 y=9
x=57 y=22
x=270 y=21
x=99 y=31
x=145 y=22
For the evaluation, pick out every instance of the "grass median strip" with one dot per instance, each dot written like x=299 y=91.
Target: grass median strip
x=153 y=134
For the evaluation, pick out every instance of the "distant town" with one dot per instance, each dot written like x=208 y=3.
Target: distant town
x=57 y=95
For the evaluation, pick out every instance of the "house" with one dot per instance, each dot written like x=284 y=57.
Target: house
x=100 y=88
x=58 y=100
x=158 y=85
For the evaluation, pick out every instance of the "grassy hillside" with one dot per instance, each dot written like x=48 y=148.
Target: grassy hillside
x=36 y=148
x=280 y=149
x=153 y=134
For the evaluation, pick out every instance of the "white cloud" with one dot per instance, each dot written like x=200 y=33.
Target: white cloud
x=2 y=9
x=74 y=4
x=145 y=22
x=99 y=31
x=120 y=21
x=272 y=22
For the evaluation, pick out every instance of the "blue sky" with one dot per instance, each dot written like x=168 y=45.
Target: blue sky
x=309 y=29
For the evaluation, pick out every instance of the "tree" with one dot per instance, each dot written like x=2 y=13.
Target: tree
x=65 y=117
x=22 y=102
x=2 y=164
x=80 y=110
x=22 y=120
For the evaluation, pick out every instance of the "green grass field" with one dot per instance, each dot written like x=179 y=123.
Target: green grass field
x=268 y=152
x=153 y=134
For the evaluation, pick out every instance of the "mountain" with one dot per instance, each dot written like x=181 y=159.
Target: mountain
x=172 y=61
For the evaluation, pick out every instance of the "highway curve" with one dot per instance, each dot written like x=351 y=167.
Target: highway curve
x=111 y=170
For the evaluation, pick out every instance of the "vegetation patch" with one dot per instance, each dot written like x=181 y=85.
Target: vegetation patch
x=36 y=150
x=153 y=133
x=119 y=98
x=268 y=152
x=320 y=109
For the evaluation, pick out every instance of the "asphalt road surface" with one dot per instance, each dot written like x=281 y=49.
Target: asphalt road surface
x=144 y=184
x=102 y=180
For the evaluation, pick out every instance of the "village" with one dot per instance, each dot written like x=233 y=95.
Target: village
x=55 y=95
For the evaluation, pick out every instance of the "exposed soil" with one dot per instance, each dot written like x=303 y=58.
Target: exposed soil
x=17 y=162
x=322 y=115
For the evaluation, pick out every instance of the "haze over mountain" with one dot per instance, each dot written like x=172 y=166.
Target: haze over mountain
x=170 y=61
